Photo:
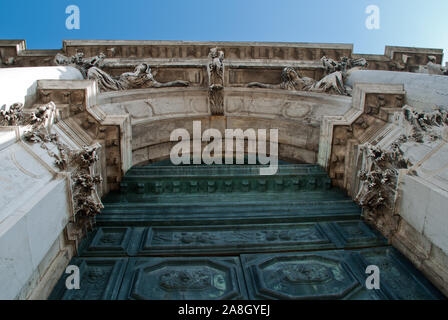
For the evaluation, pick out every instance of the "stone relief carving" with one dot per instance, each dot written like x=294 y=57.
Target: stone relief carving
x=12 y=115
x=379 y=185
x=140 y=78
x=344 y=65
x=425 y=126
x=332 y=82
x=79 y=62
x=292 y=80
x=305 y=273
x=215 y=71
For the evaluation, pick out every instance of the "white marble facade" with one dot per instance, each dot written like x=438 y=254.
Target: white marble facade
x=35 y=199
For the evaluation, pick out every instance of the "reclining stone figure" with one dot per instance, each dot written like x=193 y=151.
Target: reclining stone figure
x=140 y=78
x=291 y=80
x=332 y=83
x=79 y=62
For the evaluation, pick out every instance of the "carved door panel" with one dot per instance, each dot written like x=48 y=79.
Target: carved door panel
x=223 y=232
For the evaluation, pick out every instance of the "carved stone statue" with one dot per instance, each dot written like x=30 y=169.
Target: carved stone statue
x=140 y=78
x=291 y=80
x=344 y=65
x=216 y=66
x=79 y=62
x=332 y=83
x=215 y=71
x=14 y=115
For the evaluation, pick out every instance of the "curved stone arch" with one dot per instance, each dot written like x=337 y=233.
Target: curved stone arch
x=155 y=113
x=161 y=151
x=298 y=141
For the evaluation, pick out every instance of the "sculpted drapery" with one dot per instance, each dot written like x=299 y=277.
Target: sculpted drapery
x=140 y=78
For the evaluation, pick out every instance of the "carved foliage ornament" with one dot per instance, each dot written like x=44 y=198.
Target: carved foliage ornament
x=425 y=125
x=79 y=62
x=380 y=166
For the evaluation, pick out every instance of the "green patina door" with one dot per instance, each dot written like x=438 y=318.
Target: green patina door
x=225 y=232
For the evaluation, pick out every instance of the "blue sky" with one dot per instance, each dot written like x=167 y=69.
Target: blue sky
x=408 y=23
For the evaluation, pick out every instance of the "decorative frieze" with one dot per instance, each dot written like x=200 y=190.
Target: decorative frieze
x=332 y=83
x=13 y=53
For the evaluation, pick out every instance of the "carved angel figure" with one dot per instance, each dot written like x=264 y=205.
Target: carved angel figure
x=12 y=115
x=140 y=78
x=78 y=61
x=332 y=83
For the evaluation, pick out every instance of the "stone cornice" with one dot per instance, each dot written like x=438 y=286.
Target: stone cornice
x=123 y=53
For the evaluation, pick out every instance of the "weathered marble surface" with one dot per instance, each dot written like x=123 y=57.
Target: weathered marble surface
x=20 y=84
x=423 y=91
